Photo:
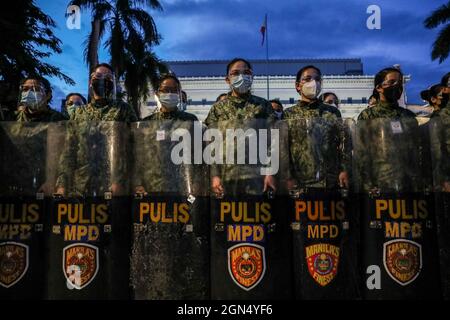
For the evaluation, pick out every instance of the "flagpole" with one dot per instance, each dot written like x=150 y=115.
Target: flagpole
x=267 y=57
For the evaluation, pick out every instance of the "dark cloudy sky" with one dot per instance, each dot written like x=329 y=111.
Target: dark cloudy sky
x=223 y=29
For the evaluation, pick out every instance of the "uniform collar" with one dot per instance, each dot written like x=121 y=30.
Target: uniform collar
x=241 y=99
x=308 y=105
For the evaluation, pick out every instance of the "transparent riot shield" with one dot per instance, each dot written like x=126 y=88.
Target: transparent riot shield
x=439 y=131
x=170 y=251
x=250 y=249
x=398 y=226
x=89 y=225
x=318 y=200
x=22 y=209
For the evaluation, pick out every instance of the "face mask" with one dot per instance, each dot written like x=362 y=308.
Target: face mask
x=241 y=83
x=102 y=88
x=332 y=104
x=71 y=108
x=311 y=89
x=170 y=101
x=393 y=93
x=278 y=114
x=32 y=99
x=445 y=99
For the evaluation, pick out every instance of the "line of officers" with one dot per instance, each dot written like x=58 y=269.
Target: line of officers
x=237 y=104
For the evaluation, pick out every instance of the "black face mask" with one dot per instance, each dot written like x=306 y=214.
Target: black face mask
x=102 y=88
x=393 y=93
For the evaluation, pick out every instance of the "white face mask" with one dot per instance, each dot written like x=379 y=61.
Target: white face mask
x=241 y=83
x=311 y=89
x=32 y=99
x=170 y=101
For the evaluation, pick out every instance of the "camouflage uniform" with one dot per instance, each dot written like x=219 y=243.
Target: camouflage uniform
x=87 y=164
x=25 y=139
x=388 y=158
x=247 y=112
x=440 y=145
x=154 y=169
x=318 y=144
x=49 y=115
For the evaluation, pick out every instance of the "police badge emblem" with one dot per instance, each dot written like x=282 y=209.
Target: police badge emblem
x=247 y=264
x=80 y=264
x=13 y=263
x=322 y=260
x=402 y=260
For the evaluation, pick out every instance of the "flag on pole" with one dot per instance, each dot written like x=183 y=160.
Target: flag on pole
x=263 y=29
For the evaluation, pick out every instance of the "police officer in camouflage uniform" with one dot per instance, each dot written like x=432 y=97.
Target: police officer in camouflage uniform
x=103 y=105
x=384 y=162
x=26 y=140
x=239 y=106
x=318 y=144
x=35 y=95
x=154 y=170
x=440 y=141
x=168 y=101
x=96 y=127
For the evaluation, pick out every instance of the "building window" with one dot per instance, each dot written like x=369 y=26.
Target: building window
x=291 y=100
x=349 y=100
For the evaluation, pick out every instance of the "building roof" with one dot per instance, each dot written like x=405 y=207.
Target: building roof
x=287 y=67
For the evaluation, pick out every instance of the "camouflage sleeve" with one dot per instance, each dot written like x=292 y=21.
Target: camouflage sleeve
x=345 y=146
x=211 y=118
x=67 y=162
x=211 y=121
x=364 y=115
x=445 y=146
x=361 y=156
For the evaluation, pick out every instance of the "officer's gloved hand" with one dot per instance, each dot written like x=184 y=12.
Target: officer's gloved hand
x=117 y=189
x=60 y=191
x=344 y=180
x=446 y=186
x=140 y=190
x=291 y=184
x=217 y=187
x=45 y=188
x=269 y=183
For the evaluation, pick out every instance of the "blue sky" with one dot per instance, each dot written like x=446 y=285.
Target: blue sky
x=223 y=29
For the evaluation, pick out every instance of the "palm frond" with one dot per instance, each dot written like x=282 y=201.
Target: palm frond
x=439 y=16
x=441 y=46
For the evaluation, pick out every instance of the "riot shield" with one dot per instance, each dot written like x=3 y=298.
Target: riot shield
x=170 y=250
x=398 y=227
x=22 y=209
x=323 y=222
x=439 y=129
x=250 y=249
x=89 y=225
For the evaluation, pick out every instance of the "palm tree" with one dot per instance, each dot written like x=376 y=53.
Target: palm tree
x=27 y=39
x=132 y=33
x=441 y=46
x=141 y=68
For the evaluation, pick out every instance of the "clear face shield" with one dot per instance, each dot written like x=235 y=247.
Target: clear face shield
x=33 y=97
x=103 y=86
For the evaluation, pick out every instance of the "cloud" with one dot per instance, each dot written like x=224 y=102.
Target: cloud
x=222 y=29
